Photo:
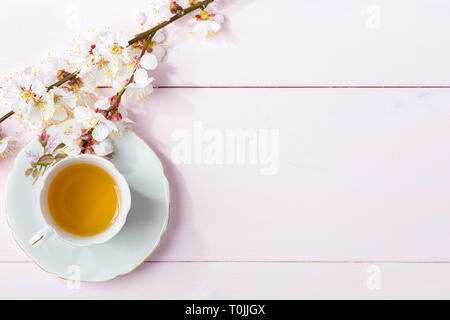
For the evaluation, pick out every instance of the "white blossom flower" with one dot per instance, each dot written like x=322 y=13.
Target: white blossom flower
x=103 y=148
x=139 y=18
x=28 y=97
x=55 y=68
x=164 y=9
x=64 y=102
x=188 y=3
x=140 y=80
x=156 y=47
x=118 y=114
x=100 y=59
x=89 y=119
x=113 y=60
x=81 y=54
x=81 y=90
x=55 y=64
x=206 y=24
x=113 y=46
x=154 y=51
x=87 y=132
x=69 y=132
x=86 y=96
x=141 y=87
x=148 y=62
x=139 y=66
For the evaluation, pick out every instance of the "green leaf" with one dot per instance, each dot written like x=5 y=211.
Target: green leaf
x=35 y=173
x=29 y=172
x=45 y=160
x=60 y=156
x=59 y=146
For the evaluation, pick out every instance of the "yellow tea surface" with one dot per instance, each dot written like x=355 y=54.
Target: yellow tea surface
x=83 y=199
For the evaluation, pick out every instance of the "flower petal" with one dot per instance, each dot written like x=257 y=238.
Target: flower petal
x=112 y=127
x=219 y=18
x=140 y=79
x=100 y=133
x=34 y=118
x=159 y=36
x=103 y=148
x=149 y=61
x=47 y=112
x=38 y=87
x=214 y=26
x=107 y=37
x=60 y=114
x=102 y=104
x=52 y=63
x=159 y=51
x=80 y=112
x=122 y=40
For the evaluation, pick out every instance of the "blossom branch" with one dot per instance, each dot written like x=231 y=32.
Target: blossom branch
x=182 y=13
x=148 y=35
x=56 y=84
x=119 y=95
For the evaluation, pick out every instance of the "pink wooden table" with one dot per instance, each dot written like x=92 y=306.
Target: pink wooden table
x=350 y=197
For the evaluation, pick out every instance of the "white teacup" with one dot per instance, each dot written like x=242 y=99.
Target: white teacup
x=51 y=228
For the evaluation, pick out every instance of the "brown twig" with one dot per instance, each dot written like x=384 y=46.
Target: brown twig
x=6 y=116
x=63 y=80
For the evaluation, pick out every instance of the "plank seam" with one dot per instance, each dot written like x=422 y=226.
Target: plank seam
x=303 y=87
x=271 y=261
x=298 y=87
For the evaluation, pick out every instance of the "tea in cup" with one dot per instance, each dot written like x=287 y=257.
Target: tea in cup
x=84 y=200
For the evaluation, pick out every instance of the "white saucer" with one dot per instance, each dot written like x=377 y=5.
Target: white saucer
x=140 y=236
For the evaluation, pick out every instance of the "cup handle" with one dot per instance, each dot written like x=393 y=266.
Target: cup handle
x=40 y=237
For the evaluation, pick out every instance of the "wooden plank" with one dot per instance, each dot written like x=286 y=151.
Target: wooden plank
x=298 y=43
x=352 y=175
x=238 y=281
